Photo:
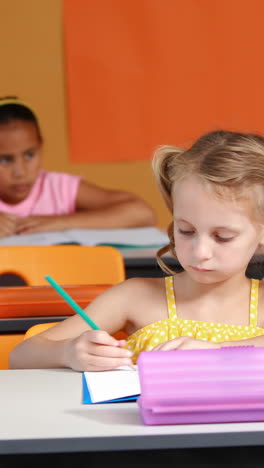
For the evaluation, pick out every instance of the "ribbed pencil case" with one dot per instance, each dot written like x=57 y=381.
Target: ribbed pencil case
x=202 y=386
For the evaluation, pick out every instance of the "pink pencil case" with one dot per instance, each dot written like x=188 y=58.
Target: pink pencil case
x=202 y=386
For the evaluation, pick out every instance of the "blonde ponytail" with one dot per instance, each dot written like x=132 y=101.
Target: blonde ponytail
x=162 y=164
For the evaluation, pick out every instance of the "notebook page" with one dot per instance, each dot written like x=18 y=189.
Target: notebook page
x=113 y=384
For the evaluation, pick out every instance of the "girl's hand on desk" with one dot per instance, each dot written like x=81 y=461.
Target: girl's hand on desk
x=186 y=342
x=96 y=350
x=8 y=224
x=31 y=224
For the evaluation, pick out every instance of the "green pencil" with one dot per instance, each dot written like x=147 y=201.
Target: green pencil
x=71 y=302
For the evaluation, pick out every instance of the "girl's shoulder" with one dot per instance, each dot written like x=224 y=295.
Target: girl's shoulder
x=144 y=302
x=56 y=176
x=136 y=300
x=141 y=286
x=136 y=293
x=133 y=289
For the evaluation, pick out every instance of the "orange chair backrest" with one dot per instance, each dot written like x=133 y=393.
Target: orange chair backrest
x=67 y=264
x=39 y=328
x=24 y=302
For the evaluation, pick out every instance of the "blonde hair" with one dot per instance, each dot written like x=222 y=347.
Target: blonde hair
x=229 y=162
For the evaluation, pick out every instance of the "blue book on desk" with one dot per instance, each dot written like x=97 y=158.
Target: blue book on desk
x=116 y=385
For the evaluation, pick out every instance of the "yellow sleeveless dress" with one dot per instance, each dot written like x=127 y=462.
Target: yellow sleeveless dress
x=147 y=338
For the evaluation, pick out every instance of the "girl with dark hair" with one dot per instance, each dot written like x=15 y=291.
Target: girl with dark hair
x=35 y=200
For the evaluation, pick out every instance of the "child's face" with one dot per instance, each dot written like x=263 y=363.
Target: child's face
x=19 y=160
x=214 y=238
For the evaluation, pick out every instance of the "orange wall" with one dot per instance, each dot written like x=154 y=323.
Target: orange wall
x=32 y=67
x=149 y=72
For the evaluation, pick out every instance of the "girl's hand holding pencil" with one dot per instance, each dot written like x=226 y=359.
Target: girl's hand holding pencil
x=93 y=350
x=96 y=350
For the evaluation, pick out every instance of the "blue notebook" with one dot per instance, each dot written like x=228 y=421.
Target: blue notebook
x=117 y=385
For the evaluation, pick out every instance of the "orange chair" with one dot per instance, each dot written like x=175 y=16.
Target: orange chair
x=67 y=264
x=43 y=301
x=7 y=343
x=40 y=327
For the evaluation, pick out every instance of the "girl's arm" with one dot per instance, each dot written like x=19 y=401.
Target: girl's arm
x=93 y=350
x=96 y=208
x=73 y=344
x=101 y=208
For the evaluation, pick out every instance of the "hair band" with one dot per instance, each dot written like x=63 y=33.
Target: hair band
x=6 y=101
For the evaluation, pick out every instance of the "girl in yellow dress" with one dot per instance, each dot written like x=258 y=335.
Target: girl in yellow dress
x=215 y=192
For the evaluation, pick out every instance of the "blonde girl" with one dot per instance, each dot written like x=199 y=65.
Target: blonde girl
x=215 y=192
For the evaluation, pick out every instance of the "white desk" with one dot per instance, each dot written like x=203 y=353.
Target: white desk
x=41 y=411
